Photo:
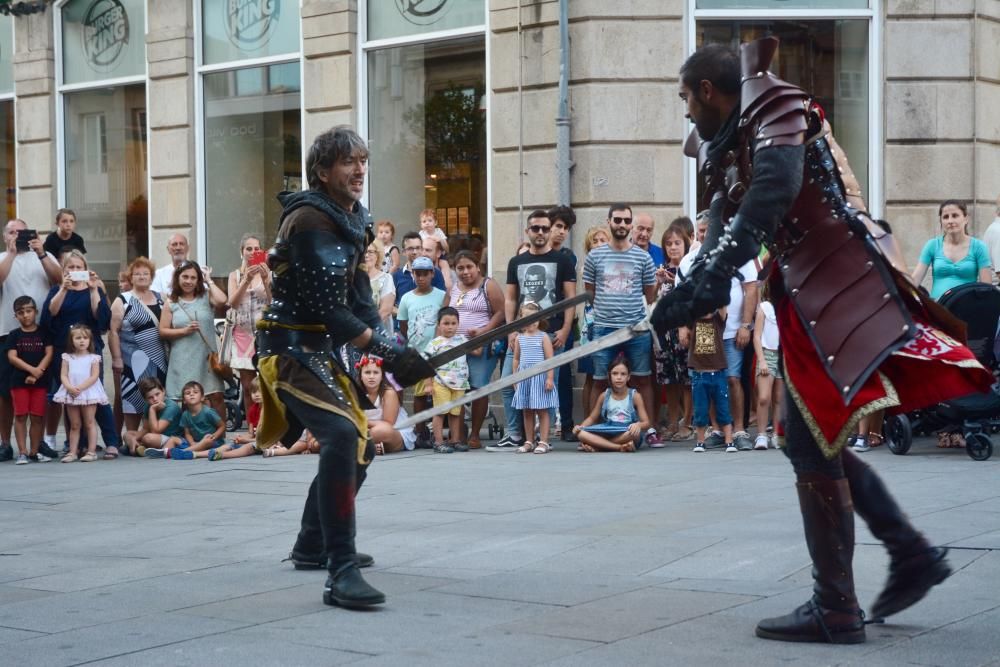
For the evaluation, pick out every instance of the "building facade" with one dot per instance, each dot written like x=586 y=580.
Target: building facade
x=150 y=117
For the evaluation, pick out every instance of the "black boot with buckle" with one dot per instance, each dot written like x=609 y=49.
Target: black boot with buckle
x=915 y=565
x=833 y=614
x=345 y=587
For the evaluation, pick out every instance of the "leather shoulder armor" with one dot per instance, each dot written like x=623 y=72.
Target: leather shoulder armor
x=774 y=111
x=324 y=265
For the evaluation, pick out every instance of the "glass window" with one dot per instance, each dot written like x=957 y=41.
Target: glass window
x=781 y=4
x=827 y=58
x=401 y=18
x=103 y=39
x=427 y=134
x=6 y=55
x=106 y=174
x=8 y=165
x=253 y=151
x=240 y=29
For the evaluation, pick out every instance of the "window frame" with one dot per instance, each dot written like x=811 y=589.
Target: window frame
x=875 y=196
x=12 y=97
x=200 y=70
x=63 y=89
x=366 y=47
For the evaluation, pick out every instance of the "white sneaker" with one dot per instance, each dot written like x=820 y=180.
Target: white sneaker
x=699 y=448
x=760 y=442
x=22 y=459
x=42 y=458
x=731 y=448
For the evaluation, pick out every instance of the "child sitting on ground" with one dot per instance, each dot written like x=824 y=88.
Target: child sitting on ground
x=709 y=385
x=619 y=418
x=29 y=353
x=244 y=444
x=203 y=428
x=306 y=444
x=450 y=383
x=161 y=426
x=388 y=410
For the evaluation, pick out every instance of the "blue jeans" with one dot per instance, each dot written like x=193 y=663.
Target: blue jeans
x=638 y=352
x=564 y=384
x=708 y=387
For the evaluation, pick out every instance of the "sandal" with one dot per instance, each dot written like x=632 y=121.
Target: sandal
x=379 y=448
x=89 y=457
x=683 y=434
x=110 y=453
x=69 y=458
x=475 y=443
x=875 y=439
x=542 y=447
x=526 y=448
x=957 y=441
x=272 y=450
x=443 y=448
x=944 y=440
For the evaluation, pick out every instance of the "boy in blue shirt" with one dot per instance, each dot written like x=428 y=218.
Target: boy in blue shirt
x=203 y=428
x=161 y=426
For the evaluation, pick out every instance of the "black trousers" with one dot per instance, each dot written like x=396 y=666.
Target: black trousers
x=801 y=448
x=328 y=517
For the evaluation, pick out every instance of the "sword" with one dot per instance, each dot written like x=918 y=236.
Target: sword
x=622 y=335
x=441 y=359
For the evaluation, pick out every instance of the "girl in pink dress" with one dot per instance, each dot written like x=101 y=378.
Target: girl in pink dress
x=81 y=391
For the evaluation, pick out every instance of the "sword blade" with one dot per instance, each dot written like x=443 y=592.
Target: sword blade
x=454 y=353
x=615 y=338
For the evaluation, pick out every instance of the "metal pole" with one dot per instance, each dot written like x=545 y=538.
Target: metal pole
x=563 y=163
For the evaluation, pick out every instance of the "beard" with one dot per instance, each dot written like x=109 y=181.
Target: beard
x=620 y=232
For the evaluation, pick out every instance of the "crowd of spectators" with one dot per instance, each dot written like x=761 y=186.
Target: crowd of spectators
x=711 y=383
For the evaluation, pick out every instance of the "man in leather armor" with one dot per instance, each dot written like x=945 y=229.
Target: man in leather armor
x=321 y=301
x=856 y=336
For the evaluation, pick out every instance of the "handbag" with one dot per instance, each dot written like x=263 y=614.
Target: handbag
x=226 y=349
x=219 y=367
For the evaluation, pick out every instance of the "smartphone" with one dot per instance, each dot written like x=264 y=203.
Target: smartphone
x=23 y=236
x=79 y=276
x=258 y=257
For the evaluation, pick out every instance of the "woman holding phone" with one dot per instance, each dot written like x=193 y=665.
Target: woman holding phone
x=79 y=299
x=249 y=292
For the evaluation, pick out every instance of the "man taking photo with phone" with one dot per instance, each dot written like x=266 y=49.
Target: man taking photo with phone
x=25 y=270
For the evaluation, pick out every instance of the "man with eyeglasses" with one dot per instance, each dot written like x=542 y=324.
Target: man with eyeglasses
x=402 y=277
x=546 y=277
x=622 y=278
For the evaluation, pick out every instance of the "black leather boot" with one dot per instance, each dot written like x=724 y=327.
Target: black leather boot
x=345 y=587
x=833 y=614
x=303 y=560
x=915 y=565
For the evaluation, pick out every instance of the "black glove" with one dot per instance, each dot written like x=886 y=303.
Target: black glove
x=406 y=364
x=706 y=290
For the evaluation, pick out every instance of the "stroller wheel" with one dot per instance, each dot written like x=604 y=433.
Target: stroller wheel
x=898 y=434
x=978 y=446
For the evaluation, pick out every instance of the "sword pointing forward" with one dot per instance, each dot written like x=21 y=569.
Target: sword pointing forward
x=501 y=331
x=616 y=338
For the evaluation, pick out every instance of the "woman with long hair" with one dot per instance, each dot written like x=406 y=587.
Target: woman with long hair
x=249 y=292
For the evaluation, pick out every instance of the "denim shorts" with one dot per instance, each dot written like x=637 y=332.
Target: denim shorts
x=734 y=358
x=771 y=359
x=638 y=352
x=708 y=388
x=481 y=369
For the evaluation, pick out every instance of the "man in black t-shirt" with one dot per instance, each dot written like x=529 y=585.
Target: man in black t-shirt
x=545 y=277
x=563 y=218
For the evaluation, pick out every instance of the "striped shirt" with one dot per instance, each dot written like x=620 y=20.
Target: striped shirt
x=619 y=279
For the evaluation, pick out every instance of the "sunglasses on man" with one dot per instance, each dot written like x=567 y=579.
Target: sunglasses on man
x=540 y=229
x=621 y=221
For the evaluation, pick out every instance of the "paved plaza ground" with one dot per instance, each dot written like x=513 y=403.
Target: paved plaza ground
x=656 y=558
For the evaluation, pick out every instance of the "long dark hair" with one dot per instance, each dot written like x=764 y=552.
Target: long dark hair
x=175 y=282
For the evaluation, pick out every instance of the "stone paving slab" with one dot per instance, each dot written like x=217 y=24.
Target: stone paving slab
x=662 y=557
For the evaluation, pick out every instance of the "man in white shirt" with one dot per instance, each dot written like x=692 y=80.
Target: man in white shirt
x=24 y=271
x=177 y=247
x=992 y=240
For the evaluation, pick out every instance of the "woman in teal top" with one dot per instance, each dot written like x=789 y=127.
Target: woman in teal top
x=955 y=258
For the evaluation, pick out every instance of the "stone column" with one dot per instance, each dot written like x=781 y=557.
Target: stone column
x=34 y=113
x=627 y=123
x=930 y=115
x=170 y=47
x=987 y=101
x=330 y=46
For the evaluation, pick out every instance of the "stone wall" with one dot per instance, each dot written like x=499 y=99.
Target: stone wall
x=627 y=122
x=170 y=47
x=34 y=118
x=330 y=42
x=942 y=92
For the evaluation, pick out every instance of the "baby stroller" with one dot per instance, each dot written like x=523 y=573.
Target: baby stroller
x=232 y=394
x=975 y=415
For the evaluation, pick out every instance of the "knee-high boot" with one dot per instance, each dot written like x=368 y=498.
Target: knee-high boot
x=915 y=565
x=833 y=614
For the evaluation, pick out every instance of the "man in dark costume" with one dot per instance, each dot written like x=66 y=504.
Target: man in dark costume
x=856 y=336
x=321 y=300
